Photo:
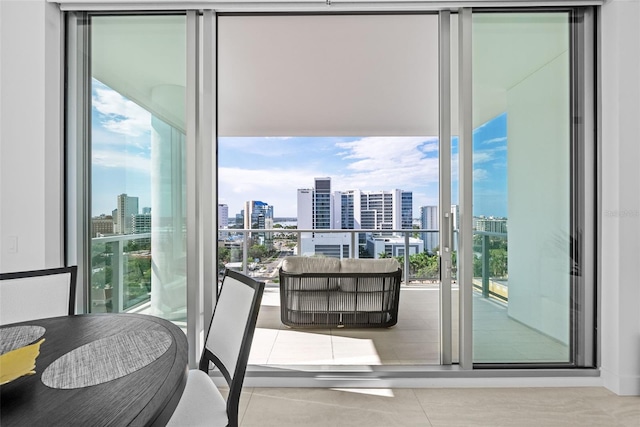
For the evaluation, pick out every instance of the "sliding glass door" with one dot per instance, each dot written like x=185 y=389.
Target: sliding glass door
x=528 y=154
x=135 y=149
x=459 y=143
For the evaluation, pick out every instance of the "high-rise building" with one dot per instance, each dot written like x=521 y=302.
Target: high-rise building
x=259 y=216
x=321 y=210
x=223 y=216
x=114 y=215
x=256 y=213
x=127 y=207
x=141 y=223
x=305 y=208
x=239 y=222
x=384 y=210
x=491 y=225
x=429 y=221
x=348 y=203
x=406 y=209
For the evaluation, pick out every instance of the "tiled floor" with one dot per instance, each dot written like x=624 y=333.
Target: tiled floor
x=464 y=407
x=413 y=341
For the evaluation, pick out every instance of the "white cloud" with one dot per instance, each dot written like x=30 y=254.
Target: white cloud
x=495 y=140
x=482 y=156
x=371 y=164
x=119 y=159
x=480 y=174
x=385 y=163
x=278 y=187
x=119 y=114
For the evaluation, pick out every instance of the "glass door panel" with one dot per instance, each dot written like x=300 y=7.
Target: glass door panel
x=138 y=188
x=521 y=188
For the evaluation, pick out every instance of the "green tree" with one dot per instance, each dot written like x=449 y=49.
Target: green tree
x=423 y=265
x=224 y=256
x=258 y=251
x=477 y=266
x=498 y=262
x=131 y=246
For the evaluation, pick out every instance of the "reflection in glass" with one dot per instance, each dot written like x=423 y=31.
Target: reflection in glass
x=138 y=164
x=521 y=190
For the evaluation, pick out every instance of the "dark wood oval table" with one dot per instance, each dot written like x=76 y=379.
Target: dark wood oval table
x=93 y=343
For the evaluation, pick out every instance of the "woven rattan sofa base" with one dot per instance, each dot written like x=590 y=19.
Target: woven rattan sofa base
x=326 y=300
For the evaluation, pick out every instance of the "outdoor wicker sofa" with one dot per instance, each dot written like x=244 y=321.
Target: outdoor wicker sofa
x=329 y=292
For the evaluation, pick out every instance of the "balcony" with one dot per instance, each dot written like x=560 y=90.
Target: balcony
x=120 y=272
x=415 y=340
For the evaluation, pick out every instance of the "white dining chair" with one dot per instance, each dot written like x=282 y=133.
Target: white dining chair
x=37 y=294
x=227 y=347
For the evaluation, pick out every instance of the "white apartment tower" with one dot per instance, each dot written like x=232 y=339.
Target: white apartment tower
x=127 y=208
x=383 y=210
x=305 y=208
x=223 y=216
x=319 y=208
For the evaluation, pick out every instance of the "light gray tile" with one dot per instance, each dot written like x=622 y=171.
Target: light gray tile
x=469 y=407
x=510 y=407
x=624 y=409
x=327 y=407
x=497 y=338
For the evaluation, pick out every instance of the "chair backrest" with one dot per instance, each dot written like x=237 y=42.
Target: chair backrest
x=231 y=333
x=31 y=295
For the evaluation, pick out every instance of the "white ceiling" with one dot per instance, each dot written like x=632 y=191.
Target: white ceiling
x=144 y=59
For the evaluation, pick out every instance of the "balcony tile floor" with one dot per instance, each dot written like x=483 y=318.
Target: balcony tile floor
x=463 y=407
x=413 y=341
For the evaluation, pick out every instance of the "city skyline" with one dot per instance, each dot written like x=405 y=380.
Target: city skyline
x=274 y=168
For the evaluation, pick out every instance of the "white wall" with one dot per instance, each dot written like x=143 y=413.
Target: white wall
x=30 y=136
x=538 y=202
x=620 y=220
x=30 y=150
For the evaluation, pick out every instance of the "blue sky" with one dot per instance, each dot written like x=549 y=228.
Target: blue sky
x=121 y=150
x=272 y=169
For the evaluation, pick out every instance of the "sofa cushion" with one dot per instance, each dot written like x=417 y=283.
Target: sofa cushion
x=302 y=264
x=384 y=265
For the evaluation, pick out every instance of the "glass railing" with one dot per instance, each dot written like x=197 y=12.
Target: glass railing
x=120 y=272
x=121 y=264
x=490 y=264
x=259 y=252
